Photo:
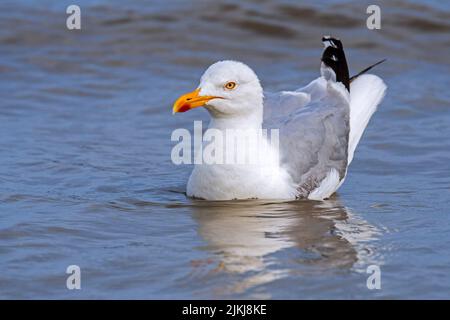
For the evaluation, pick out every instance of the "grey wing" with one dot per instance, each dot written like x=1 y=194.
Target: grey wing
x=314 y=136
x=283 y=103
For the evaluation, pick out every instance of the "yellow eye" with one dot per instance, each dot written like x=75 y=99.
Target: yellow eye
x=230 y=85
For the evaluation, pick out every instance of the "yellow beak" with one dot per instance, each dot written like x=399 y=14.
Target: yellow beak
x=190 y=101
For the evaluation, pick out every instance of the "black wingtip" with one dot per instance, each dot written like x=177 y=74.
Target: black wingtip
x=331 y=41
x=366 y=69
x=334 y=57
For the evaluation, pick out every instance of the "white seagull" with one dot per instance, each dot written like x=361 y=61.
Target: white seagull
x=319 y=126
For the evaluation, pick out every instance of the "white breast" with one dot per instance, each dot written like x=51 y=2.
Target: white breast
x=263 y=180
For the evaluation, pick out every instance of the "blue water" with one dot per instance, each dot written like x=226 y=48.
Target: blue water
x=86 y=177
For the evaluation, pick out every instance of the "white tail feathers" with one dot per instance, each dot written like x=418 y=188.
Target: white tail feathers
x=366 y=93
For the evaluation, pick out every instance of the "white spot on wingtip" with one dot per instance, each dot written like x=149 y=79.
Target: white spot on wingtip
x=328 y=42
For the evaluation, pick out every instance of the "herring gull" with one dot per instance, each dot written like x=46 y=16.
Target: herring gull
x=319 y=127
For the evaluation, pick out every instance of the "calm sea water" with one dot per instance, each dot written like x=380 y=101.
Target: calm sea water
x=86 y=177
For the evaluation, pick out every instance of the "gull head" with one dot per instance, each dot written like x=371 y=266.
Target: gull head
x=226 y=89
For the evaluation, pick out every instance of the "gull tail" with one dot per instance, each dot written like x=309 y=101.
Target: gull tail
x=366 y=93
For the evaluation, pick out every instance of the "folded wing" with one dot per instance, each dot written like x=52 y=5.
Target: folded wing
x=314 y=126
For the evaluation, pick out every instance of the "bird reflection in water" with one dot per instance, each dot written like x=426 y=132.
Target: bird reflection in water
x=250 y=238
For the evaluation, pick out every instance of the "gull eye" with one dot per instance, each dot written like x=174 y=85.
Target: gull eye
x=230 y=85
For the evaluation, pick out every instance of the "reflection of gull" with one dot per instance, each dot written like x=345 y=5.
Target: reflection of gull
x=247 y=235
x=351 y=228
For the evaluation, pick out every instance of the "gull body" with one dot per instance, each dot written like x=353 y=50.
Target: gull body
x=319 y=127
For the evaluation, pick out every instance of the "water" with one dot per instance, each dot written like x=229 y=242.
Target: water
x=86 y=176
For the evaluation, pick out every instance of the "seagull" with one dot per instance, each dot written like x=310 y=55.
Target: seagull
x=319 y=127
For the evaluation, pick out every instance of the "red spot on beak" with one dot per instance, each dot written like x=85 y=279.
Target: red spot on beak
x=185 y=107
